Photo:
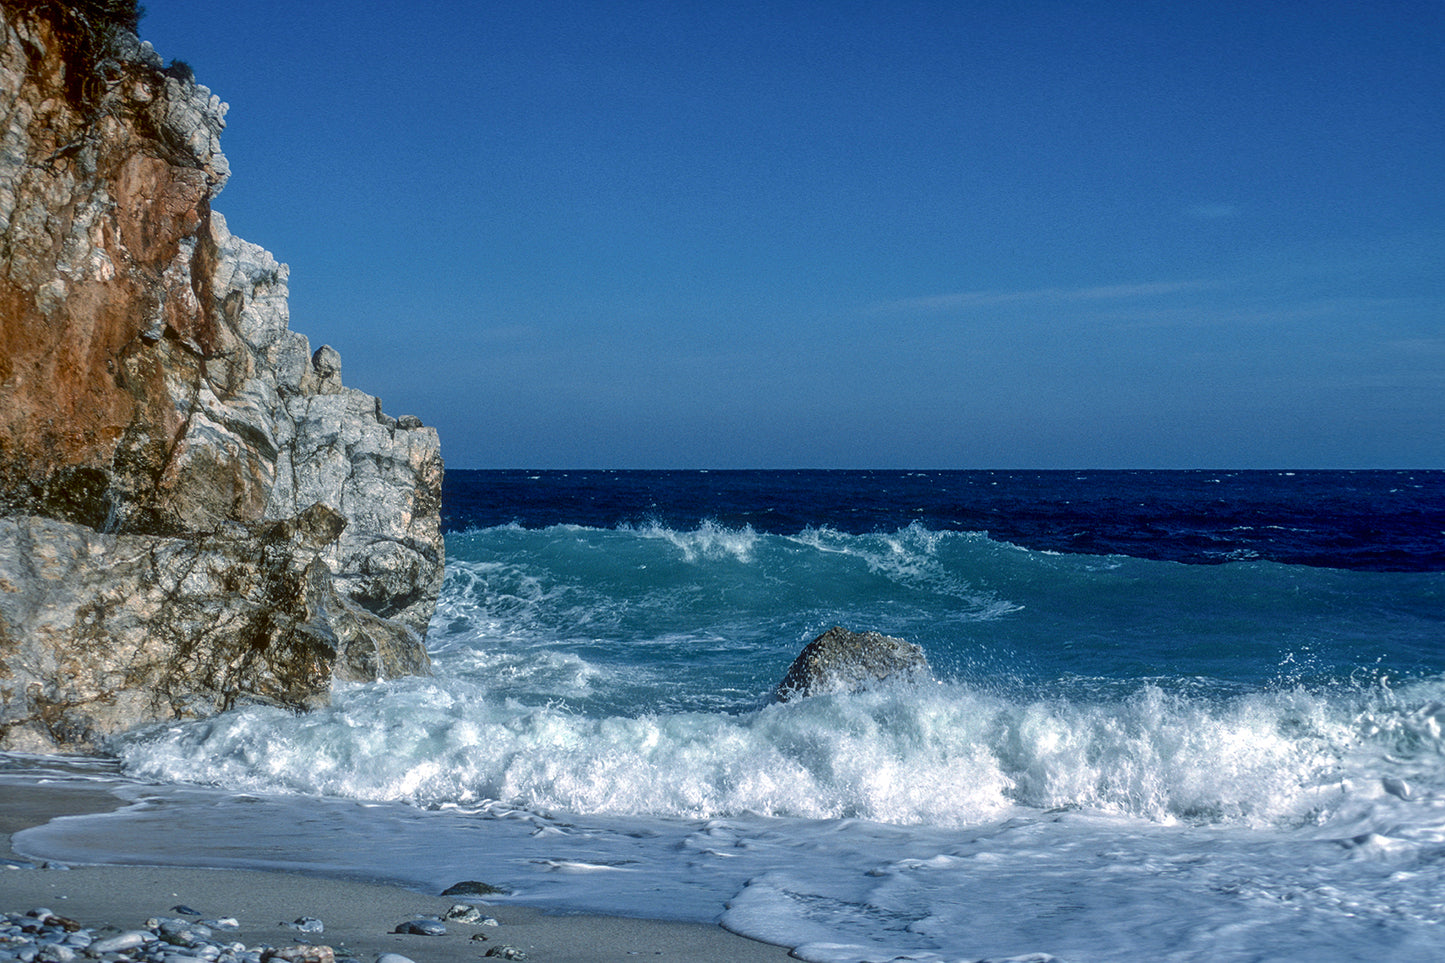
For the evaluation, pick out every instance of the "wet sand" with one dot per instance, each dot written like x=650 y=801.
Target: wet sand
x=358 y=916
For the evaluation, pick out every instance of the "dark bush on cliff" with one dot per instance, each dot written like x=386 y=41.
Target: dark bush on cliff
x=90 y=32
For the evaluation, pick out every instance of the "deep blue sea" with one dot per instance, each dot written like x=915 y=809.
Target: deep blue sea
x=1175 y=716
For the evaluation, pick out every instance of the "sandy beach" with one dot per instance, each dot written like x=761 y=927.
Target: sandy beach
x=358 y=916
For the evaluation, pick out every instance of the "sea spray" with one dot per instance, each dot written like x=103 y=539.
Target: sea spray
x=942 y=754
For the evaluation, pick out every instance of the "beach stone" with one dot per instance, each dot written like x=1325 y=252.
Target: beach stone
x=394 y=958
x=472 y=887
x=421 y=928
x=182 y=932
x=128 y=940
x=300 y=953
x=840 y=660
x=463 y=913
x=505 y=952
x=308 y=924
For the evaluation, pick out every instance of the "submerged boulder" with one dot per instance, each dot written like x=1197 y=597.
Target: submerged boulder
x=844 y=661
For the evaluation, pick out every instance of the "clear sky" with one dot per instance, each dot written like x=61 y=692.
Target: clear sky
x=832 y=234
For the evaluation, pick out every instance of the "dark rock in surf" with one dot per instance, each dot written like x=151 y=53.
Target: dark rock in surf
x=473 y=887
x=844 y=661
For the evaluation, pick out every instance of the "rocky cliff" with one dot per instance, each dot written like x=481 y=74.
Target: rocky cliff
x=194 y=511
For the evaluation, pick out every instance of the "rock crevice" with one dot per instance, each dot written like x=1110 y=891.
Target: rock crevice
x=231 y=522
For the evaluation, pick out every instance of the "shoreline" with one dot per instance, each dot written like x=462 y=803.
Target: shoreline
x=358 y=916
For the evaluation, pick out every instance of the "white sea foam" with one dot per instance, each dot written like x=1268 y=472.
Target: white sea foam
x=939 y=823
x=944 y=755
x=708 y=541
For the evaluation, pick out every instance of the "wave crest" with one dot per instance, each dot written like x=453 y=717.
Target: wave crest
x=709 y=540
x=940 y=754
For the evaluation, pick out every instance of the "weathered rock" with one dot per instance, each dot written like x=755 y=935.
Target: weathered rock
x=120 y=629
x=159 y=420
x=339 y=450
x=844 y=661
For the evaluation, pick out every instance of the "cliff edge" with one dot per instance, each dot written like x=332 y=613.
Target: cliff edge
x=194 y=511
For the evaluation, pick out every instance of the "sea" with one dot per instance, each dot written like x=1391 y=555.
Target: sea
x=1173 y=715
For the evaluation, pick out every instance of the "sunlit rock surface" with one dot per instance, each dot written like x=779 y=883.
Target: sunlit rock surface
x=164 y=435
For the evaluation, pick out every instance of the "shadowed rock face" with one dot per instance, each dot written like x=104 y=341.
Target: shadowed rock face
x=229 y=521
x=844 y=661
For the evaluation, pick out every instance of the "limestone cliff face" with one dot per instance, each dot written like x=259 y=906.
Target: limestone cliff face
x=194 y=511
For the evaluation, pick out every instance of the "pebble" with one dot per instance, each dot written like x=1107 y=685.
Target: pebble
x=42 y=936
x=303 y=953
x=119 y=944
x=1396 y=786
x=463 y=913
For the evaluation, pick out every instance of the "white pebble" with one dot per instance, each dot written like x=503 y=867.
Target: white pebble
x=128 y=940
x=1396 y=786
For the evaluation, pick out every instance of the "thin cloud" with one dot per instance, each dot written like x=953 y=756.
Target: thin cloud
x=1418 y=346
x=1212 y=212
x=963 y=300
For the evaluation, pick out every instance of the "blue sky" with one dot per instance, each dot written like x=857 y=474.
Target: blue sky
x=836 y=234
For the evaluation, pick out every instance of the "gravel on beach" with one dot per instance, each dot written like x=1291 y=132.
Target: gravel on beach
x=41 y=935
